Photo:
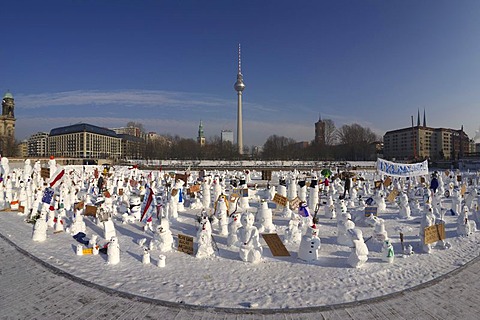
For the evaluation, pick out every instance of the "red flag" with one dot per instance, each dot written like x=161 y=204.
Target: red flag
x=57 y=178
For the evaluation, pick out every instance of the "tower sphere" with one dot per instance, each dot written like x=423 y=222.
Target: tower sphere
x=239 y=85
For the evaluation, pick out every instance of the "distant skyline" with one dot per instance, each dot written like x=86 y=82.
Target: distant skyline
x=170 y=64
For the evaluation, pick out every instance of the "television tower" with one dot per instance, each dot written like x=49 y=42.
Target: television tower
x=239 y=87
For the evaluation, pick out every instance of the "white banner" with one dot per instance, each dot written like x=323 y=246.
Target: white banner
x=402 y=169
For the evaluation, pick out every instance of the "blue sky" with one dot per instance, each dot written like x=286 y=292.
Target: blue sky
x=170 y=64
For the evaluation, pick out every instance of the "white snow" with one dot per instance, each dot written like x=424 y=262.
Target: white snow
x=226 y=281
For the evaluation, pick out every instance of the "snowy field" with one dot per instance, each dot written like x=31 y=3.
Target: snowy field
x=224 y=280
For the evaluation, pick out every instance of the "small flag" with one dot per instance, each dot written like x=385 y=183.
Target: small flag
x=146 y=203
x=47 y=195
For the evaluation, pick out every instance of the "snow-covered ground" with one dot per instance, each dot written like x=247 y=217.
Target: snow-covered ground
x=275 y=282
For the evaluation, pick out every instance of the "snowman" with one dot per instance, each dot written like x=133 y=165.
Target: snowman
x=344 y=224
x=162 y=237
x=264 y=219
x=146 y=256
x=405 y=211
x=465 y=226
x=380 y=201
x=78 y=224
x=313 y=193
x=380 y=233
x=456 y=201
x=302 y=191
x=428 y=219
x=359 y=254
x=221 y=215
x=233 y=226
x=204 y=240
x=113 y=251
x=293 y=234
x=40 y=228
x=206 y=199
x=292 y=188
x=248 y=236
x=309 y=249
x=387 y=250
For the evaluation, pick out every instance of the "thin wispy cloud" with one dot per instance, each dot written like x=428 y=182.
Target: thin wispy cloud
x=129 y=98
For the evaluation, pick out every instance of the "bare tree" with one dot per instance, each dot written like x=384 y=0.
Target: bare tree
x=330 y=132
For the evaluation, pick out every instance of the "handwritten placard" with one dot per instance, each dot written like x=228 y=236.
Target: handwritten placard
x=370 y=210
x=275 y=245
x=434 y=233
x=280 y=200
x=90 y=210
x=185 y=243
x=295 y=203
x=391 y=197
x=387 y=182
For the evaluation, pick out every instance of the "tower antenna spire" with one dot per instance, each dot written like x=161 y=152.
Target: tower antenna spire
x=239 y=59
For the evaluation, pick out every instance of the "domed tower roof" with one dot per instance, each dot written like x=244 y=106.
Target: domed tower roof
x=8 y=95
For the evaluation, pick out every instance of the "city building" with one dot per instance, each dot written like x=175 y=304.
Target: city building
x=131 y=131
x=84 y=141
x=201 y=135
x=226 y=136
x=7 y=125
x=132 y=147
x=38 y=145
x=22 y=149
x=421 y=142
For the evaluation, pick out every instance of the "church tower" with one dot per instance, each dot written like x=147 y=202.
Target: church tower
x=320 y=131
x=7 y=125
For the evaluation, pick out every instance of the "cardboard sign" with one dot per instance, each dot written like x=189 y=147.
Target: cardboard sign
x=275 y=245
x=378 y=184
x=295 y=203
x=463 y=190
x=120 y=191
x=280 y=200
x=90 y=211
x=459 y=178
x=79 y=205
x=387 y=182
x=45 y=173
x=391 y=197
x=434 y=233
x=194 y=188
x=103 y=215
x=174 y=192
x=371 y=210
x=185 y=244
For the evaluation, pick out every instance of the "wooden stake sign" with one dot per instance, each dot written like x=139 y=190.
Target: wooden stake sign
x=275 y=245
x=280 y=200
x=391 y=197
x=185 y=243
x=434 y=233
x=295 y=203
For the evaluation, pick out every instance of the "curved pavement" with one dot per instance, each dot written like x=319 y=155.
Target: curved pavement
x=32 y=289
